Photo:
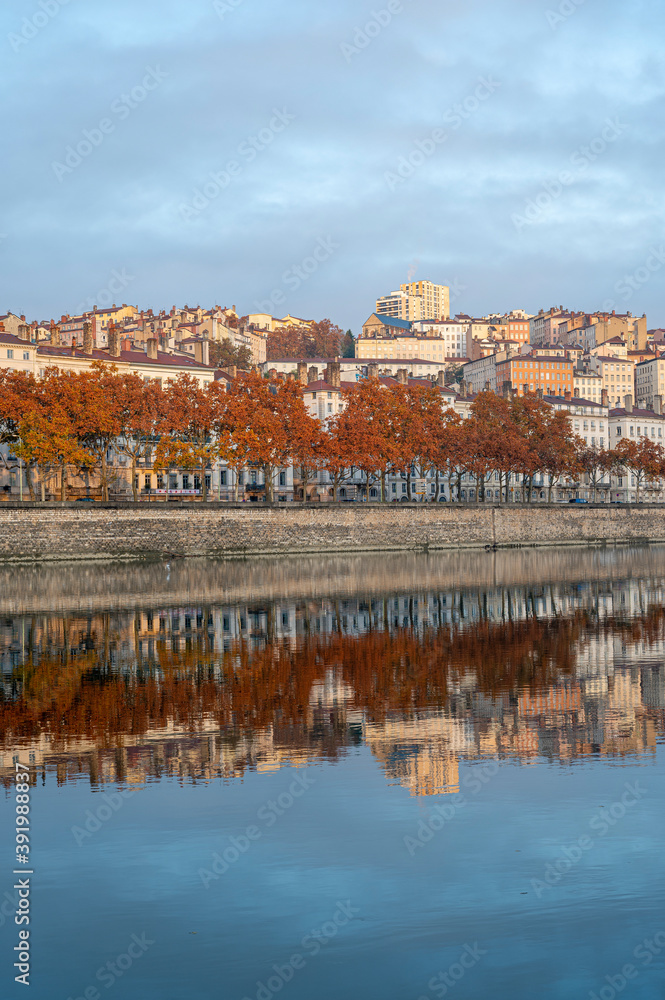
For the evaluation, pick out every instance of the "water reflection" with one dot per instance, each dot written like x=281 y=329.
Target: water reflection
x=252 y=666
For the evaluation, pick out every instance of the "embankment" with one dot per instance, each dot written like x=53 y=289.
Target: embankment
x=74 y=531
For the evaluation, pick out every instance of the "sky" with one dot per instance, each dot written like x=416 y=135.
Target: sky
x=308 y=157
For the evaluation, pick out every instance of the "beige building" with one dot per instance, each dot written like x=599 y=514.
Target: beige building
x=616 y=374
x=386 y=337
x=649 y=382
x=416 y=300
x=588 y=385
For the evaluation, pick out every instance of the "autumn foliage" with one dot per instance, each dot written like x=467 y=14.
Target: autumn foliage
x=76 y=424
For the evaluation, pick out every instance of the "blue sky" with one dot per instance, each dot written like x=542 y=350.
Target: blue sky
x=529 y=136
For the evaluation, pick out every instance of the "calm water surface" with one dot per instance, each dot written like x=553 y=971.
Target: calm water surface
x=401 y=778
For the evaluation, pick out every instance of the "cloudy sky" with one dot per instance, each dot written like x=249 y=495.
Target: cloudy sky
x=317 y=154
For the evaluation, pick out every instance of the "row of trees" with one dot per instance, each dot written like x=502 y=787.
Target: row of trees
x=73 y=422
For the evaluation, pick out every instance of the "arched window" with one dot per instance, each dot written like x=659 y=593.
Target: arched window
x=342 y=492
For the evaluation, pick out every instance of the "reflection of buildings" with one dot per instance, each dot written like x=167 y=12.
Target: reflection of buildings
x=199 y=691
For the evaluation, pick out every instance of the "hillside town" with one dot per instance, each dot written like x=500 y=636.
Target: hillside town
x=591 y=383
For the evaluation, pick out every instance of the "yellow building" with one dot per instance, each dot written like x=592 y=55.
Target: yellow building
x=416 y=300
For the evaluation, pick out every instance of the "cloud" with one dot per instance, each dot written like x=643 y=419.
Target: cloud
x=323 y=176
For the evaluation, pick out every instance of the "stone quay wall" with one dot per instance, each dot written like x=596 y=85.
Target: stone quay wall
x=74 y=531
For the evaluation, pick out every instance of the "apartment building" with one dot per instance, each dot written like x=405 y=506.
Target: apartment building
x=616 y=374
x=589 y=420
x=588 y=385
x=551 y=374
x=544 y=328
x=649 y=382
x=416 y=300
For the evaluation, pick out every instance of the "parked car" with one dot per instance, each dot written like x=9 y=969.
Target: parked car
x=577 y=500
x=85 y=500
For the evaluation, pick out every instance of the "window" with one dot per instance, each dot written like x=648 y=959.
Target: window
x=147 y=482
x=282 y=479
x=185 y=481
x=26 y=355
x=208 y=481
x=222 y=477
x=10 y=354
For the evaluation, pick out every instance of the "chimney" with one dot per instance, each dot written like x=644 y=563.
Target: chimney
x=462 y=388
x=313 y=374
x=567 y=394
x=56 y=336
x=487 y=386
x=333 y=376
x=202 y=352
x=23 y=331
x=657 y=404
x=441 y=379
x=372 y=371
x=628 y=404
x=402 y=376
x=290 y=377
x=114 y=340
x=87 y=338
x=151 y=347
x=302 y=372
x=604 y=397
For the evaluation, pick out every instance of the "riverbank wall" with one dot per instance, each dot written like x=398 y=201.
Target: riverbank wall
x=75 y=531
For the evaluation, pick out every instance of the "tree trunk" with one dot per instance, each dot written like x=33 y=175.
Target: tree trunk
x=63 y=482
x=384 y=496
x=236 y=477
x=104 y=474
x=134 y=489
x=204 y=487
x=42 y=483
x=28 y=479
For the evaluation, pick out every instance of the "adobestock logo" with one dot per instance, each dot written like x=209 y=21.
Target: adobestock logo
x=31 y=26
x=122 y=107
x=423 y=149
x=581 y=160
x=363 y=37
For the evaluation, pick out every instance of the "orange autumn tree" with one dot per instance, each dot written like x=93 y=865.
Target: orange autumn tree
x=47 y=443
x=186 y=428
x=643 y=458
x=140 y=411
x=235 y=440
x=363 y=426
x=18 y=397
x=96 y=415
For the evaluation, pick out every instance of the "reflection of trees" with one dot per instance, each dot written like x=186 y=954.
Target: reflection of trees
x=84 y=692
